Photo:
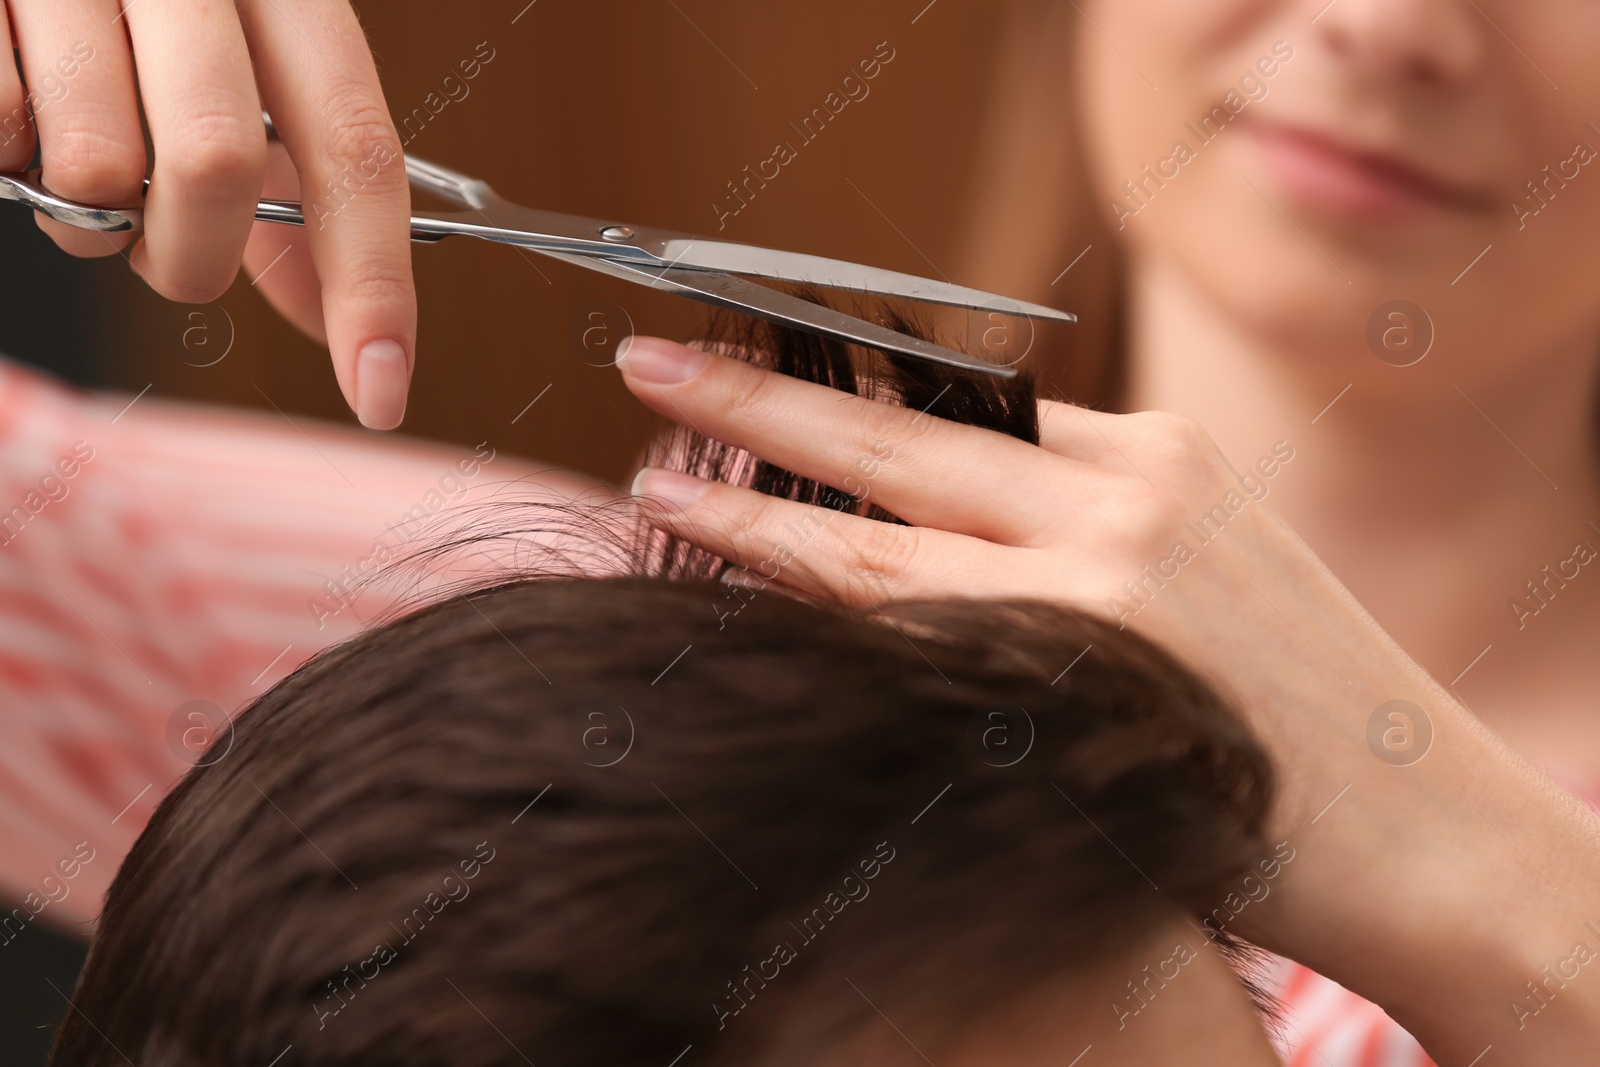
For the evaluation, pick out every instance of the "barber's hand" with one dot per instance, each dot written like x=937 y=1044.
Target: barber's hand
x=1435 y=888
x=204 y=70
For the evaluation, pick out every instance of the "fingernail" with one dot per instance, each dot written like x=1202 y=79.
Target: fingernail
x=680 y=490
x=381 y=385
x=659 y=362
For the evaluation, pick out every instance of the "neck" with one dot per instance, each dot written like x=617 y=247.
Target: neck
x=1427 y=489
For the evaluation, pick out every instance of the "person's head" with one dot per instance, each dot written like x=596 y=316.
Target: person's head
x=612 y=821
x=589 y=821
x=1199 y=134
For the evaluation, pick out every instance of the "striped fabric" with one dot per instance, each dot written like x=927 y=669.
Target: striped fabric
x=1326 y=1025
x=157 y=554
x=160 y=554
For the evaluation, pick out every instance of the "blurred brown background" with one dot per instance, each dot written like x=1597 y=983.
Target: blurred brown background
x=639 y=109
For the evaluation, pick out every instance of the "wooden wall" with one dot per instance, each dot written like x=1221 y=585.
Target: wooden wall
x=639 y=109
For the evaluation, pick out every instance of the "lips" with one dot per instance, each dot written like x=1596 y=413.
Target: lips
x=1329 y=172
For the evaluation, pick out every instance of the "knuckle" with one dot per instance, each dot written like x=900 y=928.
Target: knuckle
x=215 y=149
x=84 y=163
x=1151 y=518
x=376 y=280
x=1166 y=425
x=1191 y=431
x=881 y=559
x=744 y=534
x=750 y=527
x=747 y=394
x=1173 y=437
x=361 y=144
x=187 y=290
x=887 y=429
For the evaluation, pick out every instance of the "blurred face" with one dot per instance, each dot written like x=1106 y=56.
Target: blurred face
x=1303 y=163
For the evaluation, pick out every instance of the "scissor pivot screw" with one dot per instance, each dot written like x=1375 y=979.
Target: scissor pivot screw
x=617 y=233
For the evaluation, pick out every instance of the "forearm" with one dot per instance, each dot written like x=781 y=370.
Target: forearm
x=1471 y=923
x=1437 y=881
x=1514 y=952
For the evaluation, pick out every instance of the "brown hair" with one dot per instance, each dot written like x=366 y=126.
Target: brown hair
x=595 y=821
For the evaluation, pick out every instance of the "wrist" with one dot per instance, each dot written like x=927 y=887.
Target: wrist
x=1509 y=955
x=1465 y=901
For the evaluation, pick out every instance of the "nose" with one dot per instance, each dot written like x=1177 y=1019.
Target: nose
x=1418 y=42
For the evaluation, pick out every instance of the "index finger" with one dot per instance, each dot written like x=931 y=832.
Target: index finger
x=925 y=469
x=320 y=84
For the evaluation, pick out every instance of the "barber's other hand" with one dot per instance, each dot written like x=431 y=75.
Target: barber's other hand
x=1436 y=886
x=204 y=70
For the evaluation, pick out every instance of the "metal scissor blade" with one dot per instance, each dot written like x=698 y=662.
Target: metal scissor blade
x=707 y=254
x=750 y=298
x=555 y=233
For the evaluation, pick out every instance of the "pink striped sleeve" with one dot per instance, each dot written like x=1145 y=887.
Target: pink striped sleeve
x=1326 y=1025
x=164 y=553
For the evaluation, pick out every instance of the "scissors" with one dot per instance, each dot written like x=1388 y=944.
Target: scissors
x=700 y=268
